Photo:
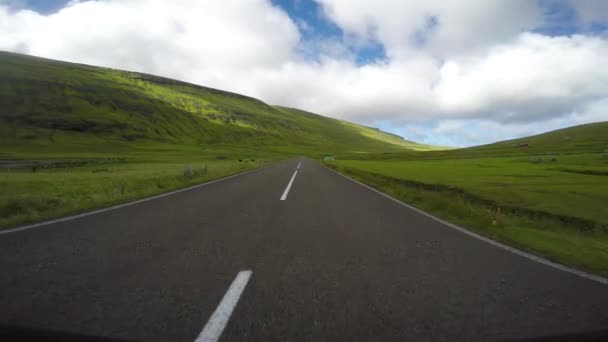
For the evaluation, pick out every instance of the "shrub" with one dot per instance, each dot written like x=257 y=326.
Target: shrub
x=536 y=160
x=188 y=172
x=100 y=170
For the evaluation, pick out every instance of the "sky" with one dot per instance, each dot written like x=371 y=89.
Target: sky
x=455 y=73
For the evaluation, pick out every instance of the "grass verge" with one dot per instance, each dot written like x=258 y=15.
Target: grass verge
x=37 y=189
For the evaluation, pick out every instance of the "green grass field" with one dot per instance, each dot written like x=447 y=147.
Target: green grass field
x=560 y=188
x=548 y=197
x=42 y=188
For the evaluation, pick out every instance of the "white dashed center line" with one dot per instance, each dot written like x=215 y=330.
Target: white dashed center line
x=284 y=197
x=216 y=324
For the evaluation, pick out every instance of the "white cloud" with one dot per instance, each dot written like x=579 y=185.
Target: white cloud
x=591 y=112
x=531 y=78
x=448 y=62
x=202 y=41
x=449 y=127
x=461 y=25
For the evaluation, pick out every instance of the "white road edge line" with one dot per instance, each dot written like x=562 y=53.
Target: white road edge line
x=216 y=324
x=300 y=163
x=495 y=243
x=284 y=196
x=99 y=211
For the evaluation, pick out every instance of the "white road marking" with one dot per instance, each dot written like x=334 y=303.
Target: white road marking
x=516 y=251
x=216 y=324
x=300 y=163
x=284 y=197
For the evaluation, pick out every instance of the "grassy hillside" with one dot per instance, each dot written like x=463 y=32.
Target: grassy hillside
x=342 y=136
x=51 y=105
x=588 y=138
x=544 y=193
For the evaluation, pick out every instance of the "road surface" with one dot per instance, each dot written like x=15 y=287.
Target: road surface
x=326 y=259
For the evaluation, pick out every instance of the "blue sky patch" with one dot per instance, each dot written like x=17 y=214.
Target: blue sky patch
x=40 y=6
x=316 y=28
x=560 y=17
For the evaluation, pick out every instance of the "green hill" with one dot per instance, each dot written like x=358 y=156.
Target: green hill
x=64 y=105
x=341 y=135
x=591 y=138
x=587 y=138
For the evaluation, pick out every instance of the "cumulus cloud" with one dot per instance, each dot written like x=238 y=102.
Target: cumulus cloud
x=447 y=27
x=450 y=66
x=202 y=41
x=529 y=79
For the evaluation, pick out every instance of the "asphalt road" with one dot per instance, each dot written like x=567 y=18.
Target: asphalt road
x=332 y=261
